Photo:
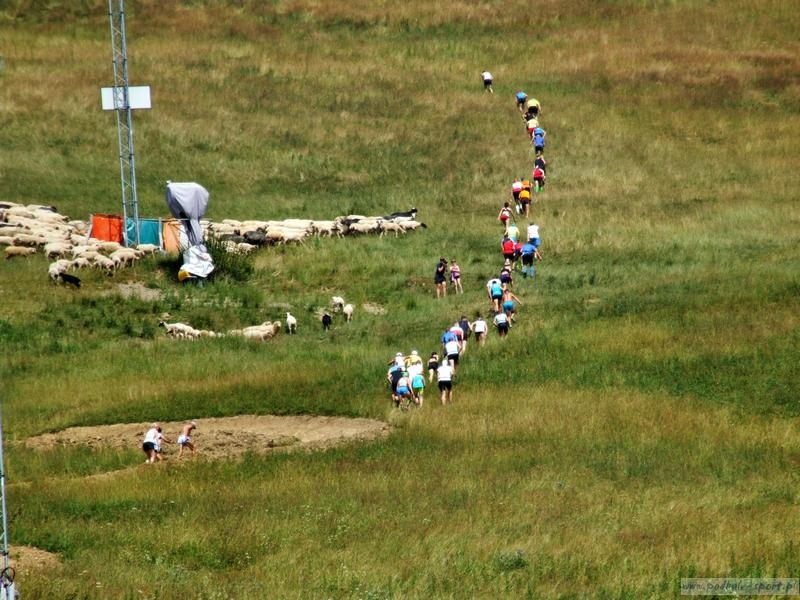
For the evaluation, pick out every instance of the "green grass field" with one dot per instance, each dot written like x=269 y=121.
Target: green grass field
x=639 y=424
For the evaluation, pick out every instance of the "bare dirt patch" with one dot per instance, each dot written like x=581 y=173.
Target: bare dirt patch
x=133 y=289
x=224 y=437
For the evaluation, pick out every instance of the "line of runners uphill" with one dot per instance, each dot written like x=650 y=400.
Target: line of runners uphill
x=406 y=373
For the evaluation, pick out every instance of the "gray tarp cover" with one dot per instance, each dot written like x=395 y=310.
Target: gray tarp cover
x=188 y=201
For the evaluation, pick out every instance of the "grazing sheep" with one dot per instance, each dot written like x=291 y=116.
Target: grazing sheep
x=147 y=248
x=124 y=257
x=179 y=330
x=12 y=251
x=329 y=228
x=326 y=321
x=81 y=262
x=348 y=312
x=337 y=303
x=411 y=225
x=109 y=247
x=26 y=239
x=56 y=269
x=392 y=226
x=105 y=263
x=53 y=249
x=291 y=323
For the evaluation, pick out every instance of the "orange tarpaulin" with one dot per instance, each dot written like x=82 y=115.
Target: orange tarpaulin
x=107 y=228
x=172 y=235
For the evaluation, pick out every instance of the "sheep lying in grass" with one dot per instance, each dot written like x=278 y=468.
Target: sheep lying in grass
x=180 y=330
x=265 y=331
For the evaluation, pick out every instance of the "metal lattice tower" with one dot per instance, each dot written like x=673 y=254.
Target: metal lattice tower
x=127 y=164
x=7 y=587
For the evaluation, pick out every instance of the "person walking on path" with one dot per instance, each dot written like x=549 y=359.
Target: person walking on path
x=463 y=322
x=525 y=202
x=152 y=444
x=533 y=107
x=501 y=322
x=440 y=279
x=505 y=215
x=455 y=277
x=418 y=388
x=433 y=364
x=529 y=254
x=480 y=328
x=509 y=306
x=185 y=438
x=487 y=79
x=149 y=443
x=452 y=351
x=530 y=126
x=495 y=289
x=538 y=178
x=508 y=248
x=538 y=140
x=541 y=163
x=444 y=377
x=521 y=97
x=516 y=188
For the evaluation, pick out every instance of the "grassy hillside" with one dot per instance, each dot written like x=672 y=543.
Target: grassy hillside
x=638 y=425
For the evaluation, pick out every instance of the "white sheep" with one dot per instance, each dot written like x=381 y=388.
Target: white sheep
x=291 y=323
x=411 y=225
x=109 y=247
x=124 y=257
x=147 y=248
x=337 y=303
x=348 y=312
x=26 y=239
x=391 y=226
x=105 y=263
x=12 y=251
x=53 y=249
x=179 y=330
x=54 y=270
x=262 y=332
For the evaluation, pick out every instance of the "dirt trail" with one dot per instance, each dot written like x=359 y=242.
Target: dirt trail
x=224 y=437
x=215 y=438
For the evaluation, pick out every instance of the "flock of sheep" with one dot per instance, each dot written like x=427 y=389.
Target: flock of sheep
x=265 y=331
x=245 y=236
x=24 y=230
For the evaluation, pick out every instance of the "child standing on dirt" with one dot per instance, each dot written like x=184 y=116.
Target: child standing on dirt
x=185 y=438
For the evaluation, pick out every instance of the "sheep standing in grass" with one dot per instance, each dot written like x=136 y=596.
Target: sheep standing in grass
x=337 y=303
x=291 y=323
x=12 y=251
x=348 y=312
